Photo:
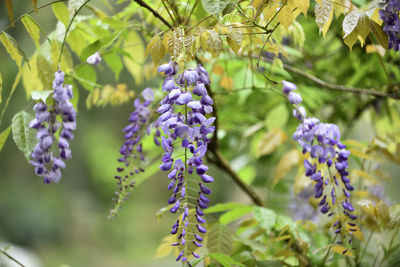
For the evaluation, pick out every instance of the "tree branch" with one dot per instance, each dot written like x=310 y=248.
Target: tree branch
x=155 y=13
x=338 y=87
x=221 y=162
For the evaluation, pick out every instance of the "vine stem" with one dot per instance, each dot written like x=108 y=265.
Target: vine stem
x=67 y=30
x=366 y=245
x=328 y=251
x=11 y=257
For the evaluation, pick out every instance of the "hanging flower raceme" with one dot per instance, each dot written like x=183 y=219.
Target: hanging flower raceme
x=390 y=16
x=186 y=129
x=328 y=165
x=49 y=154
x=132 y=149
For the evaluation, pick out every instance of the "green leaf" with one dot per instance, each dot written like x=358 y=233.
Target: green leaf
x=87 y=76
x=265 y=217
x=114 y=62
x=285 y=164
x=12 y=47
x=224 y=207
x=235 y=214
x=379 y=34
x=24 y=137
x=32 y=28
x=214 y=7
x=277 y=117
x=45 y=71
x=224 y=259
x=3 y=137
x=41 y=95
x=219 y=239
x=61 y=12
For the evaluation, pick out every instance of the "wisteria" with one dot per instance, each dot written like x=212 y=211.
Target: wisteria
x=185 y=126
x=390 y=17
x=132 y=149
x=60 y=117
x=327 y=167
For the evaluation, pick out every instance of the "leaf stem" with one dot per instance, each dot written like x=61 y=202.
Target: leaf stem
x=67 y=30
x=11 y=257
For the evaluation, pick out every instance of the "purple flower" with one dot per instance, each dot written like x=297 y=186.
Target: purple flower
x=390 y=17
x=47 y=123
x=184 y=123
x=288 y=87
x=132 y=149
x=94 y=59
x=321 y=141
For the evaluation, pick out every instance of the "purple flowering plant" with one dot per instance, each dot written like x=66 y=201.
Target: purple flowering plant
x=209 y=113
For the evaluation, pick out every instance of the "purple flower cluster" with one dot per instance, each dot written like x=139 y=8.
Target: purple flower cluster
x=390 y=16
x=185 y=126
x=132 y=150
x=49 y=120
x=328 y=161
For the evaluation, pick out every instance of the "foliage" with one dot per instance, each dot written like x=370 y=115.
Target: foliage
x=110 y=50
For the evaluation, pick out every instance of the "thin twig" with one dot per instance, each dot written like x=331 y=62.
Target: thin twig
x=67 y=30
x=169 y=13
x=30 y=12
x=11 y=257
x=191 y=12
x=155 y=13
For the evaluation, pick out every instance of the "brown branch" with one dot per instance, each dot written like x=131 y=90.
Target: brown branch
x=155 y=13
x=338 y=87
x=221 y=162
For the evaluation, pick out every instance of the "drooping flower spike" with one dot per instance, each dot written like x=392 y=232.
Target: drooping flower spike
x=186 y=131
x=327 y=166
x=132 y=149
x=390 y=17
x=49 y=154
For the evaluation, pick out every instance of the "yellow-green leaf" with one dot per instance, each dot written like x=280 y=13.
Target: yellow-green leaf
x=382 y=212
x=286 y=163
x=342 y=250
x=3 y=137
x=165 y=249
x=61 y=12
x=175 y=44
x=323 y=15
x=270 y=141
x=12 y=48
x=379 y=34
x=45 y=72
x=156 y=49
x=350 y=22
x=30 y=77
x=285 y=16
x=302 y=5
x=32 y=27
x=214 y=43
x=234 y=40
x=214 y=6
x=134 y=46
x=351 y=39
x=363 y=27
